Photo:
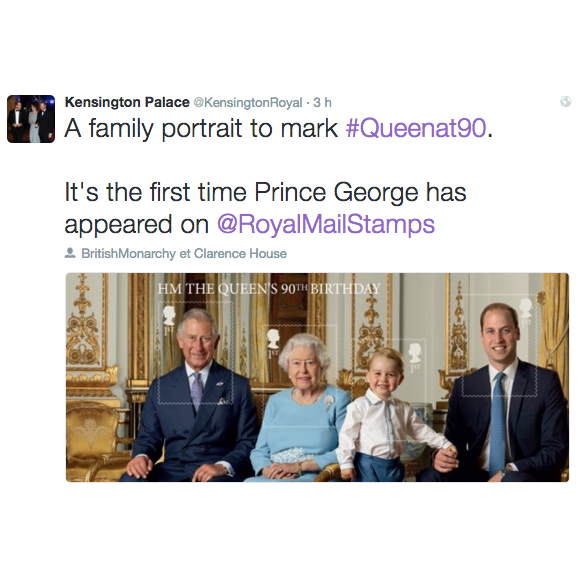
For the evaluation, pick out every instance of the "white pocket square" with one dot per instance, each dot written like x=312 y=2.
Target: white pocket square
x=222 y=401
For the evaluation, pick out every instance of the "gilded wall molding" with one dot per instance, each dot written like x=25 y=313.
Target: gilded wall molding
x=140 y=318
x=243 y=359
x=225 y=355
x=316 y=310
x=137 y=397
x=456 y=340
x=370 y=336
x=86 y=344
x=259 y=342
x=92 y=386
x=138 y=335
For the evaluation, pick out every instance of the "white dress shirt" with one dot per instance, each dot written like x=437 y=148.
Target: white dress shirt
x=380 y=428
x=507 y=383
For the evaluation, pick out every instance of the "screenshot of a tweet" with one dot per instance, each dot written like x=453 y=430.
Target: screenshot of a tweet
x=287 y=289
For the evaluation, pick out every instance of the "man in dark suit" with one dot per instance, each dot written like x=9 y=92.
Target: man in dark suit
x=16 y=122
x=201 y=415
x=508 y=420
x=45 y=123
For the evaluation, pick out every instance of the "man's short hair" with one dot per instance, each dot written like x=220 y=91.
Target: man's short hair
x=198 y=314
x=500 y=306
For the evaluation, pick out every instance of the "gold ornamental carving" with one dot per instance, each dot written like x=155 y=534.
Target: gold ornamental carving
x=142 y=284
x=446 y=383
x=357 y=386
x=157 y=356
x=82 y=333
x=370 y=336
x=138 y=340
x=136 y=397
x=541 y=298
x=243 y=355
x=457 y=349
x=317 y=308
x=458 y=338
x=92 y=386
x=225 y=351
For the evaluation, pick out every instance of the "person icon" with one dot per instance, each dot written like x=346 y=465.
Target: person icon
x=273 y=336
x=525 y=307
x=70 y=253
x=415 y=352
x=169 y=314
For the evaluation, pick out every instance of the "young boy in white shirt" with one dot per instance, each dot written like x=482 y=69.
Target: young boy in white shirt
x=374 y=433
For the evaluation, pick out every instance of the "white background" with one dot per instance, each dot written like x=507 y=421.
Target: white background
x=521 y=215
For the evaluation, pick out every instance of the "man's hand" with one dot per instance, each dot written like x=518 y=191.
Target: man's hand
x=208 y=471
x=445 y=460
x=50 y=135
x=496 y=478
x=139 y=467
x=348 y=474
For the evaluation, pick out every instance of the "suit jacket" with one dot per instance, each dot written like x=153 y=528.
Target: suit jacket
x=537 y=422
x=12 y=119
x=45 y=122
x=225 y=427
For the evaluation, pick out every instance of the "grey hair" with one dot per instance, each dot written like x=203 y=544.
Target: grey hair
x=197 y=314
x=308 y=341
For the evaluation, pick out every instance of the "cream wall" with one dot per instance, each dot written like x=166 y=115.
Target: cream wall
x=422 y=314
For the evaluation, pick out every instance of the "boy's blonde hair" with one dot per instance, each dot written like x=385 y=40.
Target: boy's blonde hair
x=388 y=353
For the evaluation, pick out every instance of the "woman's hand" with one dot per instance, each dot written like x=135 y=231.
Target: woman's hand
x=281 y=471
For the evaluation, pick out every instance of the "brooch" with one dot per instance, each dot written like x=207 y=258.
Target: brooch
x=328 y=400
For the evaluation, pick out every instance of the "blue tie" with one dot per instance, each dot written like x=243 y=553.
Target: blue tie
x=196 y=391
x=497 y=428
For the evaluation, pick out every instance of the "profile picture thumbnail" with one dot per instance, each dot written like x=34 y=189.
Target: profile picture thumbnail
x=30 y=119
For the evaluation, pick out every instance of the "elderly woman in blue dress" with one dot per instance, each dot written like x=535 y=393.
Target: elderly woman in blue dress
x=299 y=434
